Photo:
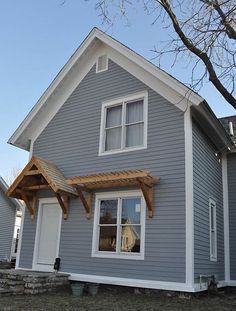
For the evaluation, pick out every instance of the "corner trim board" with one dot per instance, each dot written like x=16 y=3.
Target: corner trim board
x=20 y=237
x=189 y=208
x=226 y=217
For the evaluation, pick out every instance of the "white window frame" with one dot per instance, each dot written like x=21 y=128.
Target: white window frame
x=122 y=101
x=212 y=203
x=106 y=68
x=117 y=254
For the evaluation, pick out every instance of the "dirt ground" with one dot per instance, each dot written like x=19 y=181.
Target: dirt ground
x=115 y=299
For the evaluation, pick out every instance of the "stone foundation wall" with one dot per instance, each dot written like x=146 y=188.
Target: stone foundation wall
x=18 y=282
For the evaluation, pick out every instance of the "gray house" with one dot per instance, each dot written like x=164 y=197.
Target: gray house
x=8 y=209
x=131 y=179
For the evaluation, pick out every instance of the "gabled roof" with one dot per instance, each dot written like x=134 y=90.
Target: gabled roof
x=39 y=173
x=4 y=186
x=48 y=105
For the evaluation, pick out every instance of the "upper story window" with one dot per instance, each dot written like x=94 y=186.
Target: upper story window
x=124 y=124
x=213 y=233
x=119 y=225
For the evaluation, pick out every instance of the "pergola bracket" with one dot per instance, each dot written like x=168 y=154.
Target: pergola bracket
x=30 y=202
x=148 y=191
x=63 y=200
x=87 y=203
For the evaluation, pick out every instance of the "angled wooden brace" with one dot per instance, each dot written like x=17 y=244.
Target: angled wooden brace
x=148 y=191
x=30 y=202
x=64 y=201
x=86 y=203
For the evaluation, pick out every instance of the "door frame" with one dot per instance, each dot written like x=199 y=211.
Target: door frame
x=35 y=265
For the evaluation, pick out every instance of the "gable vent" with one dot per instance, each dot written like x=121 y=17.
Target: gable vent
x=102 y=63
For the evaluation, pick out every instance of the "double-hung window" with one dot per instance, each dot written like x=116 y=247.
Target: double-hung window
x=213 y=233
x=119 y=225
x=124 y=124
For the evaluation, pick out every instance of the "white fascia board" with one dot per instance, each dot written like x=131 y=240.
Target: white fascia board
x=167 y=86
x=164 y=77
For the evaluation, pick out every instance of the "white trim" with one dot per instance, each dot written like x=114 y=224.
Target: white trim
x=122 y=100
x=231 y=283
x=152 y=76
x=20 y=237
x=106 y=67
x=212 y=203
x=31 y=149
x=226 y=217
x=36 y=266
x=113 y=195
x=204 y=286
x=189 y=208
x=175 y=286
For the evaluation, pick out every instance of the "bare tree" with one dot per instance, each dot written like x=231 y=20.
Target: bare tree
x=14 y=172
x=203 y=29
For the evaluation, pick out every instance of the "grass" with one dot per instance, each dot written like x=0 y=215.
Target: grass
x=121 y=299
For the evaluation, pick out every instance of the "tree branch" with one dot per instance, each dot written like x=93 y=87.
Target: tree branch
x=199 y=53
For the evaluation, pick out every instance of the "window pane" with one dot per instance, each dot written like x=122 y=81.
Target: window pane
x=108 y=212
x=114 y=115
x=131 y=209
x=107 y=238
x=130 y=239
x=113 y=139
x=212 y=217
x=134 y=111
x=134 y=135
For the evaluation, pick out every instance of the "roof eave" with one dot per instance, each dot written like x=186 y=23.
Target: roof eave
x=194 y=98
x=221 y=138
x=4 y=186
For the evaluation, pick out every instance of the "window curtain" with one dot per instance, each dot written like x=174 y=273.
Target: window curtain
x=134 y=132
x=113 y=128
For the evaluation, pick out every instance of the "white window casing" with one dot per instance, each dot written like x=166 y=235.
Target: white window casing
x=120 y=238
x=213 y=229
x=124 y=124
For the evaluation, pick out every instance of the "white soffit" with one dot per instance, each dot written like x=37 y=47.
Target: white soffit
x=76 y=69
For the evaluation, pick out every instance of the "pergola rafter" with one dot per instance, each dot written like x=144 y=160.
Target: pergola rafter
x=138 y=178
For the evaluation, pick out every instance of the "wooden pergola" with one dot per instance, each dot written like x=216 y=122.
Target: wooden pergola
x=138 y=178
x=37 y=175
x=41 y=174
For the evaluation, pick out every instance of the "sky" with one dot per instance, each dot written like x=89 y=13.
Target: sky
x=37 y=39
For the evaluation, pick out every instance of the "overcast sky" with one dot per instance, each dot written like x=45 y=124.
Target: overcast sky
x=38 y=37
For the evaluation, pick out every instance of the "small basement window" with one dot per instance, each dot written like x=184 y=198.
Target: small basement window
x=213 y=233
x=102 y=63
x=119 y=225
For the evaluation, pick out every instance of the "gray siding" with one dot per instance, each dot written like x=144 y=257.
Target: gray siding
x=207 y=182
x=71 y=141
x=232 y=213
x=7 y=222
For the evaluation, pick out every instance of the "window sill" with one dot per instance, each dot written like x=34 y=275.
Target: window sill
x=118 y=256
x=104 y=153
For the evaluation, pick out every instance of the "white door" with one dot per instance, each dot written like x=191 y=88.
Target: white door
x=47 y=236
